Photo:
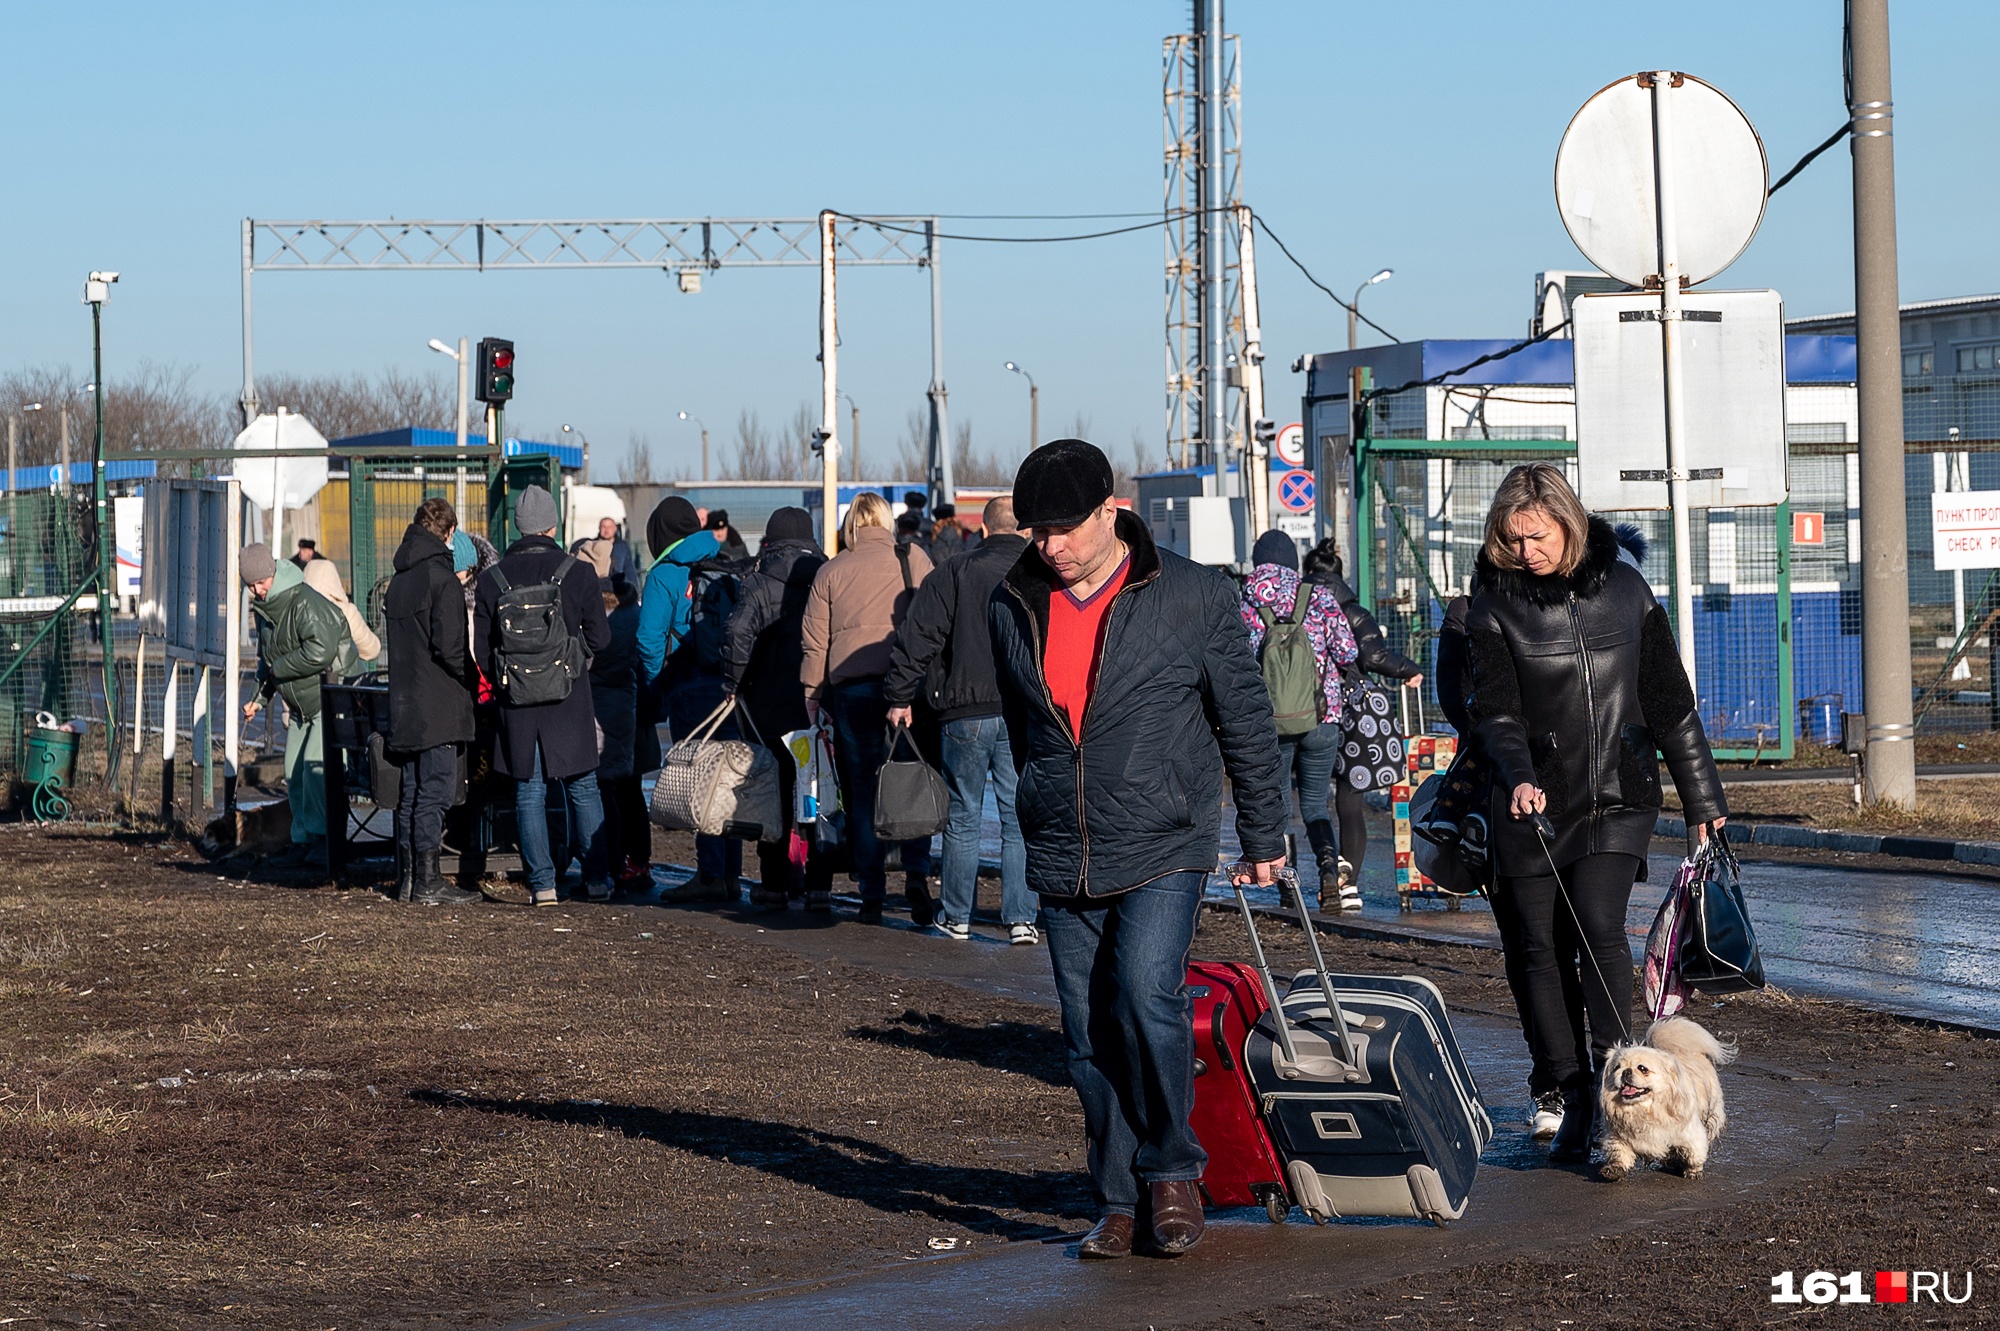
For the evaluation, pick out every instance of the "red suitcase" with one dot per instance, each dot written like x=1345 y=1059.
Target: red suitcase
x=1243 y=1165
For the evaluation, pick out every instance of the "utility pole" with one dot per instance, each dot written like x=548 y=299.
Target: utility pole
x=1257 y=459
x=63 y=456
x=95 y=292
x=1890 y=764
x=464 y=414
x=1214 y=309
x=829 y=393
x=942 y=485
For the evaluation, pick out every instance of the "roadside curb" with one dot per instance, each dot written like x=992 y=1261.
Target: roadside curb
x=1859 y=843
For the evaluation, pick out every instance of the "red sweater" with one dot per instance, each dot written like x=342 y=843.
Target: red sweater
x=1076 y=645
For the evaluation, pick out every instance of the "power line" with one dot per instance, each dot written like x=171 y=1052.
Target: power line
x=1845 y=129
x=1437 y=379
x=1286 y=250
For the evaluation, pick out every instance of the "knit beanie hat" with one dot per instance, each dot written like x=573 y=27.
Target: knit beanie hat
x=535 y=512
x=463 y=553
x=788 y=524
x=1276 y=547
x=256 y=563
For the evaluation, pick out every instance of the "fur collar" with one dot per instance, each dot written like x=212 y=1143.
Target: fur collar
x=1600 y=557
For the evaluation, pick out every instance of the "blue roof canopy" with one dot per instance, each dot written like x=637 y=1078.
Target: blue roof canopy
x=413 y=436
x=1809 y=359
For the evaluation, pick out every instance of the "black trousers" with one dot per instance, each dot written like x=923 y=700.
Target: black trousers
x=1566 y=959
x=429 y=778
x=628 y=831
x=1353 y=825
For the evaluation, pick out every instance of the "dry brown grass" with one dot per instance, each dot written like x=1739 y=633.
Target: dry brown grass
x=1962 y=808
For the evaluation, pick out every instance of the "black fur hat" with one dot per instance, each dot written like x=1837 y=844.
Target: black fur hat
x=1061 y=483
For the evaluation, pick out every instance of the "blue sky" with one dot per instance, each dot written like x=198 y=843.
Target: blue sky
x=1414 y=135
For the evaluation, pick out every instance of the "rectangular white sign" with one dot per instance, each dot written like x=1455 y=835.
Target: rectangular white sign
x=1965 y=529
x=1733 y=386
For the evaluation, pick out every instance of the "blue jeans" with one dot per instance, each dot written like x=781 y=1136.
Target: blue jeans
x=586 y=820
x=1121 y=968
x=974 y=747
x=860 y=747
x=1310 y=760
x=687 y=707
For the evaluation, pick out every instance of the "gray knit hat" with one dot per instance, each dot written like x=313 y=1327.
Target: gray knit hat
x=256 y=563
x=534 y=512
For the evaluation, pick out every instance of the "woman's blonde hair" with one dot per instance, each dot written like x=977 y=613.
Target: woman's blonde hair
x=1527 y=488
x=868 y=510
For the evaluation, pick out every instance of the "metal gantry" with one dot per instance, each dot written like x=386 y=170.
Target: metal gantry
x=1202 y=100
x=674 y=245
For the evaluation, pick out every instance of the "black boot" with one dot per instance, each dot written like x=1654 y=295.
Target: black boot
x=406 y=871
x=433 y=888
x=1572 y=1141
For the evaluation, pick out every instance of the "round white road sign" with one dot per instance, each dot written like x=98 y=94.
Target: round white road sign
x=1291 y=445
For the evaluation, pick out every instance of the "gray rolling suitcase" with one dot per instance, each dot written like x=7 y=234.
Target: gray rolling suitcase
x=1368 y=1098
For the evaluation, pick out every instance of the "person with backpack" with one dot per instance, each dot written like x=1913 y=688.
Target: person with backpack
x=431 y=683
x=858 y=601
x=299 y=638
x=761 y=654
x=539 y=620
x=1374 y=657
x=690 y=591
x=1303 y=643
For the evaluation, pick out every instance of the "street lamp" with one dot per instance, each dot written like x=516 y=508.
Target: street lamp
x=1353 y=306
x=1034 y=406
x=464 y=360
x=704 y=442
x=571 y=429
x=853 y=435
x=96 y=291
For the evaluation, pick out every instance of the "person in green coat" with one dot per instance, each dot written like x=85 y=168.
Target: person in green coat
x=299 y=636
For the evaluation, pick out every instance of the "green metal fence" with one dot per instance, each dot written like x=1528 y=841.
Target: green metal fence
x=1421 y=510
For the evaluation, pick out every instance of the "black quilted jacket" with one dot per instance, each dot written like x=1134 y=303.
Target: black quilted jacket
x=1578 y=688
x=1177 y=699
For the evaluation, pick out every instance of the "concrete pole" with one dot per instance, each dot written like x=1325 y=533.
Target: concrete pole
x=1256 y=455
x=464 y=408
x=1890 y=764
x=63 y=455
x=248 y=402
x=1034 y=415
x=829 y=392
x=943 y=485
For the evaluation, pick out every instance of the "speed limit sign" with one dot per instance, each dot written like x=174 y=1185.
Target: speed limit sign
x=1291 y=445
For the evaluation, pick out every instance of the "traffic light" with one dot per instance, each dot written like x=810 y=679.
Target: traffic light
x=496 y=370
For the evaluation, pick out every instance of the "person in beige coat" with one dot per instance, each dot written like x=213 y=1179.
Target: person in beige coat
x=323 y=577
x=858 y=601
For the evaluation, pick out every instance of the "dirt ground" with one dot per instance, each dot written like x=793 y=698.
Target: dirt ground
x=1959 y=808
x=250 y=1105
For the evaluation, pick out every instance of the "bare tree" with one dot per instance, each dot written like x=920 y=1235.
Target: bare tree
x=342 y=406
x=1123 y=470
x=637 y=466
x=759 y=454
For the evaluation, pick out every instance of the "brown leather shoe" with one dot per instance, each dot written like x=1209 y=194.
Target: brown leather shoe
x=1110 y=1237
x=1177 y=1220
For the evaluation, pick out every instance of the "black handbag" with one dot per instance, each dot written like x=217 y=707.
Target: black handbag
x=910 y=799
x=1448 y=823
x=1719 y=952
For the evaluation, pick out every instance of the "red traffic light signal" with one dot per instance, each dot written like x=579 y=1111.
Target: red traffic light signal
x=496 y=370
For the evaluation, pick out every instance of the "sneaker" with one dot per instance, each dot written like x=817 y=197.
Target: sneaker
x=1024 y=935
x=1350 y=897
x=1345 y=873
x=1546 y=1116
x=699 y=888
x=542 y=896
x=956 y=930
x=597 y=891
x=923 y=909
x=819 y=901
x=870 y=912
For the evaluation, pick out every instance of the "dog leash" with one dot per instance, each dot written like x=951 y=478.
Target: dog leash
x=1544 y=830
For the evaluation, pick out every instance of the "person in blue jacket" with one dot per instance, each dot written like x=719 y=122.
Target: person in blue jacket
x=674 y=683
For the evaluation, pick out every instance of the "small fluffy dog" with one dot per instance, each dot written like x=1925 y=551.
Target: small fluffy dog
x=1661 y=1100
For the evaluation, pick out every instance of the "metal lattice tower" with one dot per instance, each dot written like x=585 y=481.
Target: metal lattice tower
x=1188 y=185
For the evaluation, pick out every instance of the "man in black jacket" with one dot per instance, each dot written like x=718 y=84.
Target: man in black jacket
x=947 y=623
x=551 y=741
x=762 y=647
x=431 y=682
x=1129 y=688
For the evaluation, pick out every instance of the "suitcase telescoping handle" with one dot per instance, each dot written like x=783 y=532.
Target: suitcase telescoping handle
x=1288 y=878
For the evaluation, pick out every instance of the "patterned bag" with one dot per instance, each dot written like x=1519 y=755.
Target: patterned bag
x=1371 y=752
x=721 y=787
x=1666 y=990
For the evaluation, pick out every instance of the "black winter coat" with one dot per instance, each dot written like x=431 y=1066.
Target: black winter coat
x=1373 y=653
x=1576 y=685
x=763 y=644
x=431 y=677
x=947 y=618
x=1177 y=699
x=566 y=730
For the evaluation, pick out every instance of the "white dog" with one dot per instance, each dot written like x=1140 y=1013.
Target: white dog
x=1662 y=1100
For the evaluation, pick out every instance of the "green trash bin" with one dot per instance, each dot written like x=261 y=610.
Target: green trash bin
x=51 y=756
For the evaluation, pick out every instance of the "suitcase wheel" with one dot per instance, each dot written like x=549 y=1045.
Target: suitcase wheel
x=1277 y=1206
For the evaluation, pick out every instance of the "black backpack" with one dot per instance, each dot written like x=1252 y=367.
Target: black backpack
x=714 y=586
x=537 y=656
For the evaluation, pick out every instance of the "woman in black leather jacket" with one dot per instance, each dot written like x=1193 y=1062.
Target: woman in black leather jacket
x=1376 y=657
x=1577 y=685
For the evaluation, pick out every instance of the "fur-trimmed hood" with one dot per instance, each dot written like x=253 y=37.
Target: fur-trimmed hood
x=1600 y=557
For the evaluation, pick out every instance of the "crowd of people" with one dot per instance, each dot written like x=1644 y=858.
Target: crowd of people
x=1102 y=689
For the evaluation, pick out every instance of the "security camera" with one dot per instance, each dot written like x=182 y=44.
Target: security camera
x=104 y=277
